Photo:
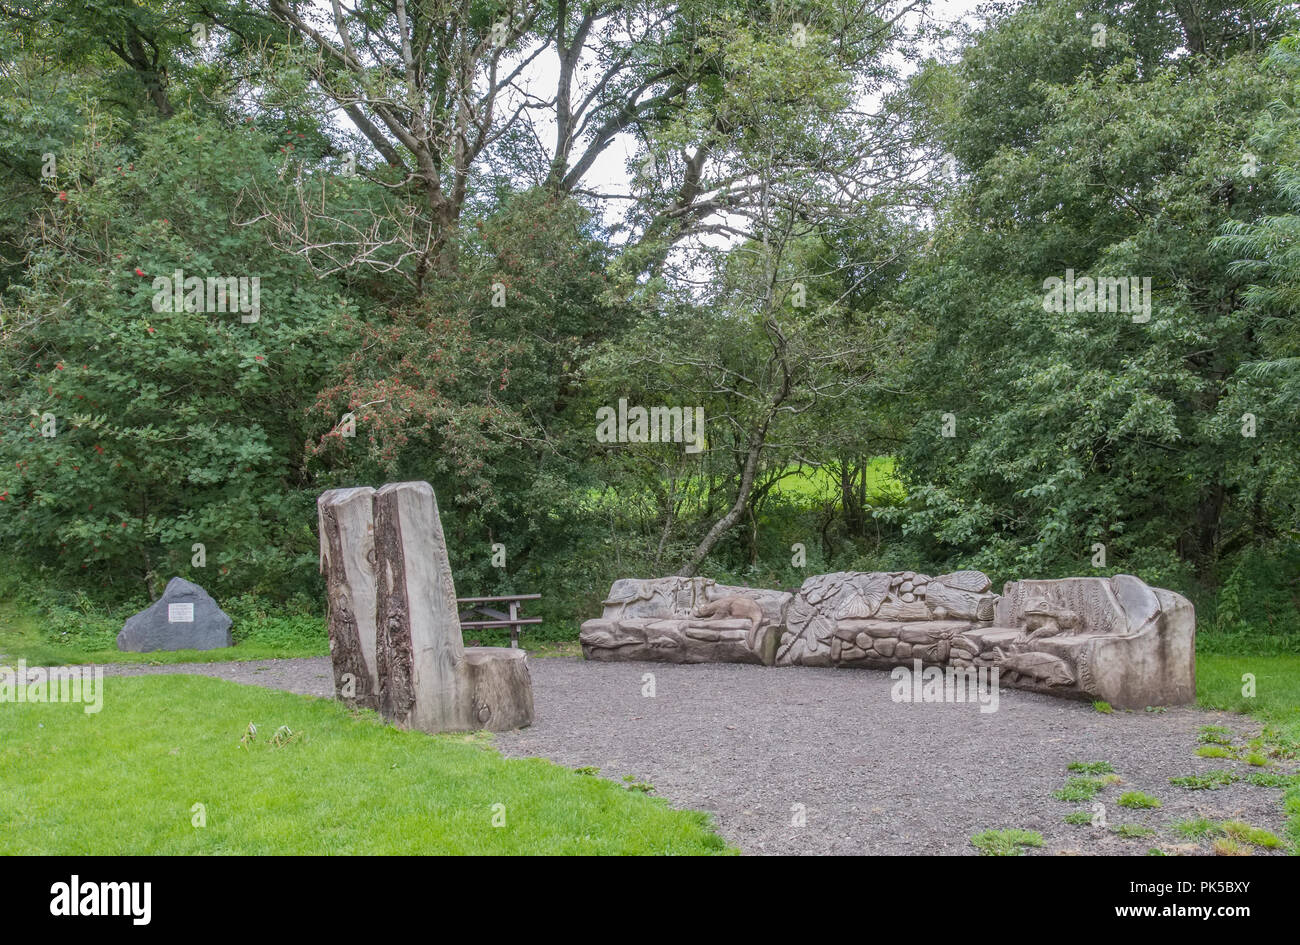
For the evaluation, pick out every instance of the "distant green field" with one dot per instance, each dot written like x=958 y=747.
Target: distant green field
x=817 y=486
x=802 y=486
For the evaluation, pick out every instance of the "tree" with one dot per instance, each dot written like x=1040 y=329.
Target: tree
x=134 y=429
x=1080 y=427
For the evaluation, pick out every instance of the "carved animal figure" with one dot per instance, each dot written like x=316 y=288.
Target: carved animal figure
x=736 y=607
x=1042 y=619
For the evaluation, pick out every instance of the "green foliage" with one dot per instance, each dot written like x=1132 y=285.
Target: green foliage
x=1201 y=828
x=1078 y=428
x=170 y=428
x=828 y=340
x=1214 y=735
x=1245 y=833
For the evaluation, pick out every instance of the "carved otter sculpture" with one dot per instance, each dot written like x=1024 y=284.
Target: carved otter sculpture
x=739 y=608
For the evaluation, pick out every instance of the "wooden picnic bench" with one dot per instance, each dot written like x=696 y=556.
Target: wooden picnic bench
x=496 y=618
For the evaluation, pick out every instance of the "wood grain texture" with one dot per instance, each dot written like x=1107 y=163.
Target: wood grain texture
x=394 y=617
x=344 y=518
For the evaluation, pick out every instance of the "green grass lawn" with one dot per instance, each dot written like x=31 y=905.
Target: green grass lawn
x=125 y=781
x=1276 y=704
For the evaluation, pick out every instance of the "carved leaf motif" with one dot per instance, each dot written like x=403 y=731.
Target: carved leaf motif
x=856 y=606
x=977 y=582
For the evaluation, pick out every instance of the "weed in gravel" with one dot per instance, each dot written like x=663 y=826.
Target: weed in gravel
x=1137 y=799
x=1216 y=751
x=1231 y=835
x=1245 y=833
x=1079 y=818
x=1226 y=846
x=1198 y=828
x=1006 y=842
x=1079 y=789
x=1210 y=781
x=1269 y=779
x=1214 y=735
x=1090 y=767
x=1132 y=831
x=1105 y=708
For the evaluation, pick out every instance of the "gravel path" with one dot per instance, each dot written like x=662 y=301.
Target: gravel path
x=874 y=776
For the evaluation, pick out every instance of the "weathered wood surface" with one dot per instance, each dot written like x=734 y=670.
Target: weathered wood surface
x=420 y=649
x=498 y=689
x=423 y=677
x=347 y=559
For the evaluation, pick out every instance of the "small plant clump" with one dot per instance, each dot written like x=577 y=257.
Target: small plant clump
x=1090 y=767
x=1006 y=842
x=1210 y=781
x=1138 y=800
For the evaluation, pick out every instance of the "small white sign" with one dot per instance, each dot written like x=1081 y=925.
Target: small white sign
x=180 y=613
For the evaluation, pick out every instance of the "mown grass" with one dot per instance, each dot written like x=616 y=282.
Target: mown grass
x=126 y=781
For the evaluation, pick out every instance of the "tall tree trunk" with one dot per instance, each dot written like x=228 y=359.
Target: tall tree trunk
x=737 y=510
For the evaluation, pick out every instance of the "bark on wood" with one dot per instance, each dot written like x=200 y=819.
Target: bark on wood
x=497 y=688
x=426 y=680
x=395 y=634
x=347 y=561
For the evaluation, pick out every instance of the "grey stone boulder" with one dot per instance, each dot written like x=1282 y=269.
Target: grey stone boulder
x=184 y=618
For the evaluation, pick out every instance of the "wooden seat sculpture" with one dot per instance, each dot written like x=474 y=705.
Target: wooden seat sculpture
x=395 y=635
x=1114 y=639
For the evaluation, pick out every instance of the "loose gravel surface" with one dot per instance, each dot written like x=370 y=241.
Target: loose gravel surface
x=762 y=748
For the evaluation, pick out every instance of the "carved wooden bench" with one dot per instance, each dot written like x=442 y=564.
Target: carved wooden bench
x=1114 y=639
